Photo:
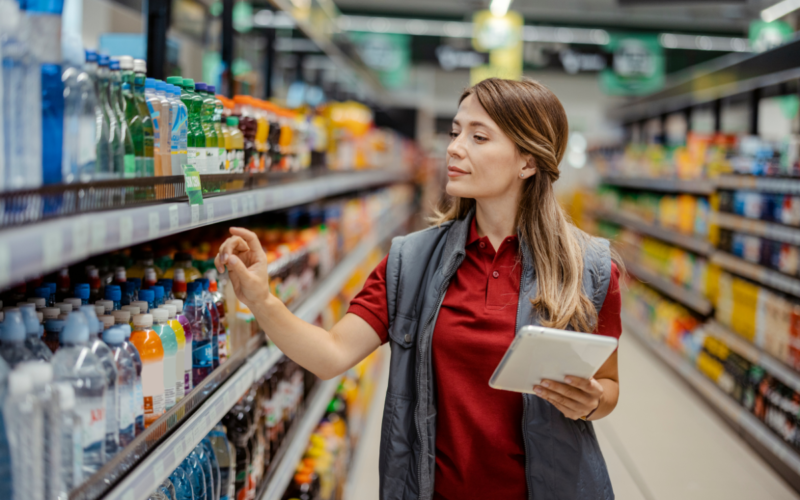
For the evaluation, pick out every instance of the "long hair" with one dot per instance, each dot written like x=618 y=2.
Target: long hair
x=533 y=117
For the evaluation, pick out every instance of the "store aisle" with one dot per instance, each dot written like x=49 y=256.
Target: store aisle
x=662 y=443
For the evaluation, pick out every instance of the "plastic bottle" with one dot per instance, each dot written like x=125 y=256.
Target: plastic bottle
x=180 y=360
x=83 y=292
x=14 y=157
x=237 y=426
x=165 y=134
x=158 y=295
x=177 y=123
x=81 y=126
x=226 y=458
x=247 y=125
x=128 y=293
x=179 y=284
x=106 y=357
x=187 y=332
x=217 y=124
x=116 y=148
x=25 y=426
x=168 y=489
x=183 y=261
x=194 y=136
x=33 y=340
x=154 y=106
x=148 y=296
x=215 y=472
x=147 y=342
x=76 y=364
x=182 y=484
x=52 y=331
x=213 y=317
x=133 y=113
x=218 y=300
x=262 y=130
x=197 y=478
x=41 y=375
x=71 y=438
x=208 y=470
x=181 y=126
x=44 y=293
x=126 y=369
x=170 y=346
x=117 y=102
x=143 y=306
x=144 y=259
x=150 y=278
x=207 y=112
x=236 y=151
x=139 y=69
x=167 y=284
x=12 y=339
x=113 y=293
x=6 y=478
x=138 y=394
x=200 y=324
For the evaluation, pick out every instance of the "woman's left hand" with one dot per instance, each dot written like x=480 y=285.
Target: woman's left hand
x=575 y=397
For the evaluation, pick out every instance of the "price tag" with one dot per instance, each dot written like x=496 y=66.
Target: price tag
x=210 y=212
x=98 y=241
x=160 y=469
x=80 y=238
x=251 y=204
x=125 y=230
x=173 y=217
x=234 y=206
x=53 y=248
x=179 y=453
x=188 y=444
x=195 y=209
x=194 y=190
x=154 y=224
x=5 y=263
x=261 y=202
x=278 y=198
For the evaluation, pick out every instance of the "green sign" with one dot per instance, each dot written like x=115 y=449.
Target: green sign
x=638 y=66
x=389 y=54
x=191 y=178
x=766 y=36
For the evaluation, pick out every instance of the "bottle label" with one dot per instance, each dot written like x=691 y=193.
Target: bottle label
x=92 y=411
x=169 y=381
x=127 y=407
x=221 y=158
x=130 y=166
x=153 y=389
x=211 y=158
x=202 y=355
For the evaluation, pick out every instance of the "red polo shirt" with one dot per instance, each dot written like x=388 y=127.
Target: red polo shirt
x=479 y=448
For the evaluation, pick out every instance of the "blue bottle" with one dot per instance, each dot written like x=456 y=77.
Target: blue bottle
x=168 y=489
x=197 y=477
x=158 y=290
x=52 y=286
x=148 y=296
x=114 y=294
x=167 y=284
x=82 y=291
x=12 y=339
x=33 y=339
x=182 y=484
x=208 y=470
x=211 y=316
x=129 y=293
x=212 y=459
x=137 y=285
x=226 y=458
x=202 y=352
x=44 y=292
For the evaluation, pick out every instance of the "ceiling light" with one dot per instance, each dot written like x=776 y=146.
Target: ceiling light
x=499 y=8
x=779 y=10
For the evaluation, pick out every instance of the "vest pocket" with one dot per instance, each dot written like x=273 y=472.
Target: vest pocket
x=404 y=331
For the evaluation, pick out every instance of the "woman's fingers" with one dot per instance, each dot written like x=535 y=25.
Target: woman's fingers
x=558 y=399
x=249 y=237
x=568 y=392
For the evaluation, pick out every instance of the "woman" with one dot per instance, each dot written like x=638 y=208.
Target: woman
x=450 y=304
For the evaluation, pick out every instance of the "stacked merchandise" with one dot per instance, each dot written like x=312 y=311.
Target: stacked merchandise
x=683 y=213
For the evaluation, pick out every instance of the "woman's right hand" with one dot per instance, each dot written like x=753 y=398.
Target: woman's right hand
x=247 y=266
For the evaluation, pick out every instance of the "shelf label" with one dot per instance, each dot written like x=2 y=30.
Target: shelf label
x=234 y=206
x=5 y=263
x=154 y=224
x=98 y=241
x=80 y=238
x=125 y=230
x=210 y=212
x=173 y=217
x=195 y=209
x=53 y=248
x=194 y=190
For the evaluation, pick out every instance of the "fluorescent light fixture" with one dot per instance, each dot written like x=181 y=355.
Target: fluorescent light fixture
x=780 y=9
x=710 y=43
x=499 y=8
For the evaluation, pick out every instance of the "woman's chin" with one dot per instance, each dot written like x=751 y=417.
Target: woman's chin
x=457 y=187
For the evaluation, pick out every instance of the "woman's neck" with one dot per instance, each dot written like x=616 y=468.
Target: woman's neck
x=496 y=218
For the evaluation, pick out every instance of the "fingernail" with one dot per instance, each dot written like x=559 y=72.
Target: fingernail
x=537 y=390
x=567 y=380
x=223 y=257
x=546 y=384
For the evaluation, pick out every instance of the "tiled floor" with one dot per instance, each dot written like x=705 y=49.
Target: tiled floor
x=662 y=443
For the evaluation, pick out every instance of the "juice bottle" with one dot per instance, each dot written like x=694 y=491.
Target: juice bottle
x=180 y=335
x=196 y=139
x=154 y=106
x=179 y=284
x=262 y=130
x=143 y=260
x=118 y=105
x=170 y=345
x=218 y=126
x=207 y=110
x=187 y=332
x=183 y=261
x=248 y=125
x=139 y=69
x=225 y=132
x=148 y=344
x=236 y=150
x=202 y=350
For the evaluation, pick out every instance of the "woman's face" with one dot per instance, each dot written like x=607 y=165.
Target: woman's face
x=482 y=162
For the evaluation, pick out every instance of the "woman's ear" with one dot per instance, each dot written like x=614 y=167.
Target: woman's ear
x=530 y=165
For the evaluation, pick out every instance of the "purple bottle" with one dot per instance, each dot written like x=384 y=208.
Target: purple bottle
x=187 y=331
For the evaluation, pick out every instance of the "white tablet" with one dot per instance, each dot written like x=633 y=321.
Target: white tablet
x=545 y=353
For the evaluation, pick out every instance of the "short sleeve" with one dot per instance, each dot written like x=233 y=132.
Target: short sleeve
x=371 y=303
x=609 y=322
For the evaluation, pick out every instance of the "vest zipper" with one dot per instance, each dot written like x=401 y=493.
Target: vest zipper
x=524 y=401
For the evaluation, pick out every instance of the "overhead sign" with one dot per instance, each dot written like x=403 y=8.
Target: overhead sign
x=637 y=65
x=389 y=54
x=765 y=36
x=451 y=58
x=501 y=37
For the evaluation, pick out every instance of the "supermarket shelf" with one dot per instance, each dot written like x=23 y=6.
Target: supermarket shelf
x=315 y=410
x=695 y=244
x=786 y=185
x=770 y=230
x=781 y=455
x=691 y=299
x=699 y=186
x=755 y=355
x=755 y=272
x=36 y=249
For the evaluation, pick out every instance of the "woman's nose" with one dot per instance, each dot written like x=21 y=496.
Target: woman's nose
x=455 y=148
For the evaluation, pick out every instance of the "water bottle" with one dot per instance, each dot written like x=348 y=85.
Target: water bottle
x=103 y=352
x=71 y=438
x=41 y=374
x=212 y=318
x=80 y=125
x=138 y=394
x=148 y=296
x=168 y=489
x=126 y=411
x=6 y=478
x=14 y=124
x=117 y=102
x=208 y=470
x=183 y=487
x=12 y=339
x=212 y=459
x=52 y=332
x=158 y=293
x=116 y=148
x=202 y=352
x=226 y=459
x=33 y=340
x=197 y=477
x=44 y=293
x=25 y=426
x=114 y=294
x=103 y=158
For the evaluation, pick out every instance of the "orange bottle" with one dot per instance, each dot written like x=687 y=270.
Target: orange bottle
x=148 y=343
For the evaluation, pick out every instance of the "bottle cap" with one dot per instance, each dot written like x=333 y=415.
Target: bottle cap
x=139 y=66
x=102 y=60
x=134 y=310
x=82 y=291
x=143 y=320
x=13 y=329
x=40 y=302
x=171 y=309
x=175 y=89
x=75 y=302
x=43 y=292
x=175 y=80
x=107 y=306
x=107 y=320
x=19 y=383
x=54 y=325
x=41 y=373
x=160 y=86
x=66 y=396
x=204 y=282
x=99 y=310
x=52 y=312
x=122 y=316
x=113 y=293
x=160 y=315
x=125 y=63
x=91 y=56
x=166 y=283
x=158 y=291
x=211 y=88
x=149 y=83
x=142 y=305
x=137 y=282
x=150 y=275
x=178 y=303
x=200 y=87
x=193 y=288
x=114 y=335
x=30 y=320
x=64 y=307
x=114 y=64
x=188 y=84
x=10 y=308
x=126 y=327
x=147 y=296
x=76 y=329
x=232 y=121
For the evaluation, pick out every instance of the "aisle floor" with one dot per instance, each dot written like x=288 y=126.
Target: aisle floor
x=663 y=442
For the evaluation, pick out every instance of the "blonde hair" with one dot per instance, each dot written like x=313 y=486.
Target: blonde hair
x=533 y=117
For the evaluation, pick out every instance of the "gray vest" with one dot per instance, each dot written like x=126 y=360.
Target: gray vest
x=562 y=457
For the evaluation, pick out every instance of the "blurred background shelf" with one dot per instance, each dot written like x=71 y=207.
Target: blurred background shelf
x=764 y=229
x=755 y=272
x=663 y=185
x=695 y=244
x=689 y=298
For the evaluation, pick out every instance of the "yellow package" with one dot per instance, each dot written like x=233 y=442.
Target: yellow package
x=745 y=303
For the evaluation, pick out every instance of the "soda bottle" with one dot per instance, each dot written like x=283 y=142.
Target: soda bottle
x=202 y=350
x=148 y=343
x=183 y=322
x=126 y=411
x=236 y=151
x=207 y=112
x=76 y=364
x=217 y=123
x=180 y=360
x=170 y=346
x=33 y=332
x=12 y=339
x=247 y=125
x=139 y=69
x=195 y=139
x=117 y=101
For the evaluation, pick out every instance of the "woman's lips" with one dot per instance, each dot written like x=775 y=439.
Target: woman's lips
x=455 y=171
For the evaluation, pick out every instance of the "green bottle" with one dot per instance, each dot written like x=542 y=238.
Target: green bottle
x=196 y=139
x=218 y=110
x=140 y=69
x=207 y=120
x=116 y=152
x=118 y=105
x=132 y=114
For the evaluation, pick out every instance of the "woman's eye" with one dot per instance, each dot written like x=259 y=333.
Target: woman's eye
x=453 y=135
x=480 y=138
